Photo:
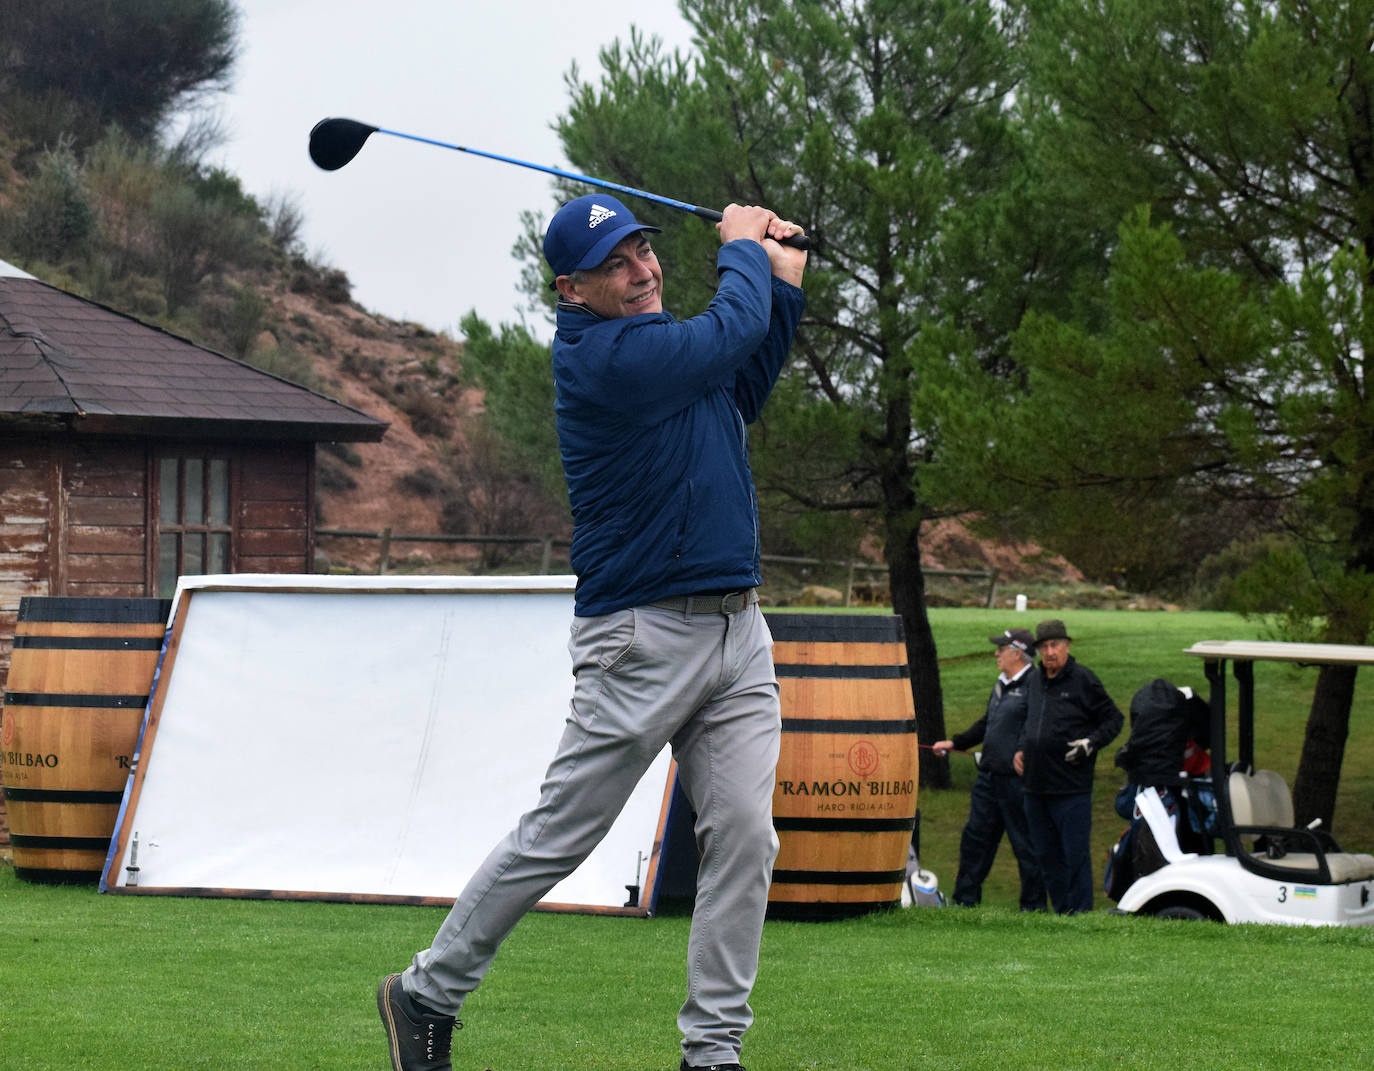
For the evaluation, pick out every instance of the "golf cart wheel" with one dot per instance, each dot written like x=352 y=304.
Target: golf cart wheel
x=1181 y=911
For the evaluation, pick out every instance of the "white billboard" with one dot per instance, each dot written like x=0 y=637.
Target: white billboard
x=361 y=738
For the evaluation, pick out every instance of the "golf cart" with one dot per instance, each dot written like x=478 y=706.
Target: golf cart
x=1267 y=870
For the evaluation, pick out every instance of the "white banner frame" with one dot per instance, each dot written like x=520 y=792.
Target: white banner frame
x=361 y=739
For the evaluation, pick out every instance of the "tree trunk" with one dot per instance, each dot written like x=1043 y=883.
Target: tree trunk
x=1323 y=748
x=908 y=587
x=1328 y=723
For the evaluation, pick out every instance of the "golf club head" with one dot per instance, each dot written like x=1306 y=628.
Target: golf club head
x=334 y=142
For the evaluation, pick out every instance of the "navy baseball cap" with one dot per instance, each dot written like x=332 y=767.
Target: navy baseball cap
x=1020 y=638
x=584 y=231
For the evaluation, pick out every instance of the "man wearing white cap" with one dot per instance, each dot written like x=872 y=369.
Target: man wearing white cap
x=996 y=803
x=668 y=645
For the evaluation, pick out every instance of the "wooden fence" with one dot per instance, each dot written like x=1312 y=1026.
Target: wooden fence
x=388 y=537
x=852 y=569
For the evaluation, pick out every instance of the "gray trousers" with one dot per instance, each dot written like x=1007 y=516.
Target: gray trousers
x=645 y=677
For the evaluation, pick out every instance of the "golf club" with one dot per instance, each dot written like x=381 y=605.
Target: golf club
x=334 y=142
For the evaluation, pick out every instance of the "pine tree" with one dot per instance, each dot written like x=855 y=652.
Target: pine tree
x=1225 y=360
x=881 y=126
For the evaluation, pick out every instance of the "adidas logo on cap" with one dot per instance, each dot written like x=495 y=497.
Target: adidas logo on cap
x=599 y=215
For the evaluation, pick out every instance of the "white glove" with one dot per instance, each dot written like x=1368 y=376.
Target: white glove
x=1078 y=751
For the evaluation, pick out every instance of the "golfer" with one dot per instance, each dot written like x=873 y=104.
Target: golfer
x=668 y=644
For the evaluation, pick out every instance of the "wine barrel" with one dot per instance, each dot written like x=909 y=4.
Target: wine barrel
x=844 y=801
x=80 y=674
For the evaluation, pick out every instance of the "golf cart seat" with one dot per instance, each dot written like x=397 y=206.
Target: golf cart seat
x=1262 y=808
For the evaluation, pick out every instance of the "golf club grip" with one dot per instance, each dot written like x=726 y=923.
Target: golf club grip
x=796 y=241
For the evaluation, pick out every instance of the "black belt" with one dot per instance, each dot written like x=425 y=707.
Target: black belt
x=730 y=603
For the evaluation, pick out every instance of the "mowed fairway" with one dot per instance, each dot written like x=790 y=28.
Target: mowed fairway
x=130 y=983
x=107 y=983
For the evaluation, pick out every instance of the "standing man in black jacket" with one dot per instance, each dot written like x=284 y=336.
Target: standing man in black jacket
x=996 y=803
x=1070 y=717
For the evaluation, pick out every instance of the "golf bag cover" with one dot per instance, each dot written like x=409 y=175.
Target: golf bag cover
x=1163 y=721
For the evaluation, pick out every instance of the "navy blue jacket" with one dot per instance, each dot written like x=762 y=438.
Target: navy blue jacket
x=652 y=415
x=1071 y=706
x=999 y=729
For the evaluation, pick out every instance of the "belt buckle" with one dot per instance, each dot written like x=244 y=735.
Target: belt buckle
x=734 y=602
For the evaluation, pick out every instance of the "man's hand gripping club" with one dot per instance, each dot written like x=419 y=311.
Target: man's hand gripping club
x=767 y=228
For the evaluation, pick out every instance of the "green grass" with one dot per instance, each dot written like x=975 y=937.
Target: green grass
x=114 y=983
x=108 y=983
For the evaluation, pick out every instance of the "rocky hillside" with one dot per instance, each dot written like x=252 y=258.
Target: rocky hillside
x=398 y=372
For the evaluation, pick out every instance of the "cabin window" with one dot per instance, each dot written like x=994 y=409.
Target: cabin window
x=194 y=527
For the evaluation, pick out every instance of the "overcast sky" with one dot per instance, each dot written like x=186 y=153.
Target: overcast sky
x=425 y=234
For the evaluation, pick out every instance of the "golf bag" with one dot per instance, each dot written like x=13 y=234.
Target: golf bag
x=1164 y=720
x=1166 y=752
x=1136 y=852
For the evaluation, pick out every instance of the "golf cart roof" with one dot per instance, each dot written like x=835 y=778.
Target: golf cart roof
x=1334 y=654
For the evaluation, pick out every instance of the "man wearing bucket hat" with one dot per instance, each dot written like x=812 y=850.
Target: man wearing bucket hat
x=996 y=803
x=668 y=645
x=1069 y=719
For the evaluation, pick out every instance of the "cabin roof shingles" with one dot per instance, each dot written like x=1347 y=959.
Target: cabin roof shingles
x=62 y=355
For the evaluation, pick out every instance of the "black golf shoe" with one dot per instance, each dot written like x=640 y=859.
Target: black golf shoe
x=416 y=1041
x=709 y=1067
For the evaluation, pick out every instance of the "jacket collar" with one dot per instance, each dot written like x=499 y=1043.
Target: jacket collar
x=576 y=313
x=1012 y=680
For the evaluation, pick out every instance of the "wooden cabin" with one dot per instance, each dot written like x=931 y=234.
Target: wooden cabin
x=130 y=456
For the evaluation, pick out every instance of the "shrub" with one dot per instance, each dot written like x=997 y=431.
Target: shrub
x=343 y=452
x=131 y=292
x=285 y=222
x=244 y=320
x=495 y=498
x=126 y=181
x=424 y=483
x=356 y=363
x=332 y=477
x=314 y=279
x=39 y=119
x=53 y=218
x=196 y=237
x=130 y=63
x=428 y=412
x=289 y=363
x=1256 y=576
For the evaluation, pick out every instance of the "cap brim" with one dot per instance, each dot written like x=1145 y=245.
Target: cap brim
x=599 y=252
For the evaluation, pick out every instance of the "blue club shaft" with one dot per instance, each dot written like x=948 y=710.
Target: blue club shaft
x=683 y=206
